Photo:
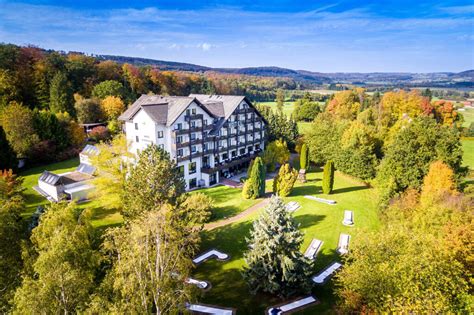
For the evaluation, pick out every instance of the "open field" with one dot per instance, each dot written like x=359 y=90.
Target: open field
x=316 y=220
x=468 y=156
x=288 y=107
x=468 y=115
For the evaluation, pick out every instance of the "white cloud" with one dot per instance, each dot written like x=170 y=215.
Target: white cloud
x=204 y=46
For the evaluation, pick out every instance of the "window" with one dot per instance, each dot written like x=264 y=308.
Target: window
x=193 y=124
x=206 y=145
x=179 y=139
x=205 y=122
x=192 y=183
x=249 y=149
x=188 y=112
x=180 y=152
x=161 y=146
x=242 y=151
x=136 y=139
x=224 y=156
x=257 y=146
x=193 y=136
x=178 y=126
x=181 y=169
x=192 y=167
x=136 y=126
x=193 y=149
x=193 y=111
x=160 y=134
x=233 y=153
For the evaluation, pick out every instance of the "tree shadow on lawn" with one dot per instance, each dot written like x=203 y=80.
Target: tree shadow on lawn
x=305 y=190
x=348 y=189
x=308 y=220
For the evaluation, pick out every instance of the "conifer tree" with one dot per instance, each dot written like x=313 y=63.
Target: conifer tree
x=254 y=186
x=7 y=155
x=328 y=177
x=284 y=181
x=304 y=157
x=60 y=97
x=274 y=262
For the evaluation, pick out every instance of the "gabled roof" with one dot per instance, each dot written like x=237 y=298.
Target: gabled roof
x=222 y=105
x=162 y=109
x=50 y=178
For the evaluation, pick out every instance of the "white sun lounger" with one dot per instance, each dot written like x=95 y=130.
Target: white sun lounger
x=292 y=206
x=327 y=201
x=200 y=284
x=313 y=248
x=348 y=218
x=208 y=309
x=327 y=273
x=300 y=303
x=343 y=247
x=213 y=252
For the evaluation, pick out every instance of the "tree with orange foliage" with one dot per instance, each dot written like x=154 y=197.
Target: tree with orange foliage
x=346 y=104
x=112 y=106
x=135 y=78
x=438 y=183
x=445 y=113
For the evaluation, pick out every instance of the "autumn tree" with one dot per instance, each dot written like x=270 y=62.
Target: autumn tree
x=199 y=205
x=328 y=177
x=276 y=152
x=63 y=263
x=438 y=183
x=154 y=181
x=394 y=105
x=60 y=96
x=346 y=104
x=112 y=107
x=108 y=88
x=17 y=122
x=274 y=261
x=285 y=180
x=88 y=111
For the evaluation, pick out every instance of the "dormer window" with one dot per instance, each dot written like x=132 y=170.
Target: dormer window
x=188 y=112
x=193 y=111
x=136 y=126
x=160 y=134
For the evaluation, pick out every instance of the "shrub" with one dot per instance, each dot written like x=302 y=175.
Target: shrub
x=99 y=133
x=199 y=206
x=304 y=157
x=276 y=152
x=328 y=177
x=254 y=187
x=285 y=180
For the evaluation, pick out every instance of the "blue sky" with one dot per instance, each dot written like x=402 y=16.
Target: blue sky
x=325 y=36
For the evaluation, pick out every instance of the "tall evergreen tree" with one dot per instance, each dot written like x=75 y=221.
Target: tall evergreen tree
x=280 y=100
x=7 y=155
x=254 y=186
x=304 y=157
x=328 y=177
x=60 y=94
x=274 y=262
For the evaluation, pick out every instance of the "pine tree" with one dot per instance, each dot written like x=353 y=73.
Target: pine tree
x=280 y=100
x=7 y=155
x=275 y=263
x=60 y=94
x=254 y=186
x=328 y=177
x=284 y=181
x=304 y=157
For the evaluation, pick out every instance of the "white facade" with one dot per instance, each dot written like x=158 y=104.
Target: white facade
x=206 y=144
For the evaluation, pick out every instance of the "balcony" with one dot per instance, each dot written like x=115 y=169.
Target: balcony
x=189 y=157
x=193 y=117
x=230 y=163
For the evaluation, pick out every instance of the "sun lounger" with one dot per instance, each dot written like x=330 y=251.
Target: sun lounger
x=343 y=247
x=327 y=273
x=292 y=306
x=209 y=309
x=292 y=206
x=313 y=248
x=217 y=254
x=348 y=218
x=200 y=284
x=327 y=201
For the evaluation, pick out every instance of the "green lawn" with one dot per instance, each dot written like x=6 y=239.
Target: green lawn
x=228 y=201
x=468 y=115
x=317 y=220
x=288 y=107
x=468 y=156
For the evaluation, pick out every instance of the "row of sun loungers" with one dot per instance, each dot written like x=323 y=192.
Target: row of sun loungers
x=210 y=254
x=327 y=201
x=292 y=306
x=209 y=309
x=327 y=273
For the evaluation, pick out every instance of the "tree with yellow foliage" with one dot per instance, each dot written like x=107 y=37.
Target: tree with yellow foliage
x=112 y=106
x=438 y=183
x=396 y=105
x=346 y=104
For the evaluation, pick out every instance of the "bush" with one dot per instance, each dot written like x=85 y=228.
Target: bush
x=99 y=133
x=199 y=206
x=284 y=181
x=328 y=177
x=254 y=187
x=304 y=157
x=276 y=152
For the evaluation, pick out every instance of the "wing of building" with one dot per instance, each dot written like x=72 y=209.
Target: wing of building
x=211 y=137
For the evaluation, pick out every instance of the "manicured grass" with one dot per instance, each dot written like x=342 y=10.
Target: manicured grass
x=468 y=156
x=468 y=115
x=228 y=201
x=317 y=220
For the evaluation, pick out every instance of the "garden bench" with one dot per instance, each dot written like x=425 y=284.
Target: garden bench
x=313 y=248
